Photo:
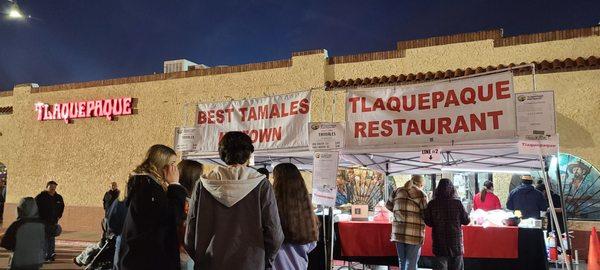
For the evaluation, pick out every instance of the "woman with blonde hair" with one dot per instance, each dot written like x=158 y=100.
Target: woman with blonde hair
x=298 y=221
x=155 y=202
x=408 y=204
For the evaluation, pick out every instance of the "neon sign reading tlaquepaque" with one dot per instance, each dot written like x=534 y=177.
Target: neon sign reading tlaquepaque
x=84 y=109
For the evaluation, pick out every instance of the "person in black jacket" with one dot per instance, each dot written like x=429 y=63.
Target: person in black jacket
x=445 y=214
x=110 y=196
x=51 y=207
x=155 y=202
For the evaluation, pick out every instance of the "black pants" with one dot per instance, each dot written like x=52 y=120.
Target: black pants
x=449 y=263
x=1 y=211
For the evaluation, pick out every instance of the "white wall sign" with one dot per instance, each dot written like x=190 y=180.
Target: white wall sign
x=546 y=147
x=325 y=136
x=185 y=139
x=277 y=122
x=535 y=113
x=431 y=155
x=475 y=108
x=325 y=165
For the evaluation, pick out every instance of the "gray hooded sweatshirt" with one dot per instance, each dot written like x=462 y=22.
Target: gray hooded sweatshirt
x=26 y=237
x=233 y=221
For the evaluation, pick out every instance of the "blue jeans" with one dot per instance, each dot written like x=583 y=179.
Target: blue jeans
x=50 y=245
x=408 y=255
x=117 y=250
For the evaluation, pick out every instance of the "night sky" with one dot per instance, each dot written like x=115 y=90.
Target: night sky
x=83 y=40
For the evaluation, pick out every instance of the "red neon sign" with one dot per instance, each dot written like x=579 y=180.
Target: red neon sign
x=84 y=109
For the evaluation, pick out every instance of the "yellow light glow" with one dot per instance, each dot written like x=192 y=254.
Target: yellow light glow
x=15 y=14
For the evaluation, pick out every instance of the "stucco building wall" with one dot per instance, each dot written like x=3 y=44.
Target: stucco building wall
x=86 y=155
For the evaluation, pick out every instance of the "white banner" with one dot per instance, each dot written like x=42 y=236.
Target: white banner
x=535 y=113
x=325 y=166
x=545 y=147
x=277 y=122
x=325 y=136
x=475 y=108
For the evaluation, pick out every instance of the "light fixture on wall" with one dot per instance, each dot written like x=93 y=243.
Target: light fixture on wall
x=14 y=12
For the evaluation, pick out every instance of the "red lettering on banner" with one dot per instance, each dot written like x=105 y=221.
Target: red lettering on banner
x=201 y=117
x=478 y=122
x=304 y=106
x=243 y=112
x=424 y=101
x=399 y=123
x=395 y=107
x=294 y=107
x=412 y=128
x=470 y=98
x=274 y=111
x=252 y=114
x=490 y=92
x=220 y=116
x=431 y=128
x=363 y=102
x=359 y=129
x=444 y=125
x=378 y=104
x=501 y=88
x=451 y=99
x=263 y=112
x=436 y=98
x=284 y=113
x=353 y=101
x=494 y=116
x=373 y=128
x=386 y=126
x=461 y=125
x=410 y=107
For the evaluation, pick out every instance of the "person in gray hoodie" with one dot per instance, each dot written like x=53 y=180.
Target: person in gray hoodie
x=26 y=237
x=233 y=221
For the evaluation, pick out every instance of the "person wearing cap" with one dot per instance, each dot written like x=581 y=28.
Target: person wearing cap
x=51 y=207
x=528 y=200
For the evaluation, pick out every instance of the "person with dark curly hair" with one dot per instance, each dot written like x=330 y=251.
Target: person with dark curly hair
x=233 y=221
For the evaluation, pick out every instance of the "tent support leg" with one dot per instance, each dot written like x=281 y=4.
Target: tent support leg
x=551 y=207
x=562 y=204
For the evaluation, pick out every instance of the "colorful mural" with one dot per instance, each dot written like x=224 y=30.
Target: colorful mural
x=581 y=186
x=359 y=186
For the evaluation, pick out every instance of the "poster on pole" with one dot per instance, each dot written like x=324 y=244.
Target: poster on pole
x=476 y=108
x=276 y=122
x=535 y=114
x=325 y=165
x=325 y=136
x=185 y=139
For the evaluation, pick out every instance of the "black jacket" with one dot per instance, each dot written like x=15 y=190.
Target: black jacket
x=149 y=237
x=445 y=217
x=51 y=208
x=109 y=197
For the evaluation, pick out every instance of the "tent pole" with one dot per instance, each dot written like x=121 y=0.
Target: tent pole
x=332 y=233
x=324 y=225
x=552 y=209
x=386 y=183
x=562 y=207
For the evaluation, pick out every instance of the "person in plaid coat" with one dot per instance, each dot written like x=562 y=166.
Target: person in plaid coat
x=445 y=214
x=408 y=231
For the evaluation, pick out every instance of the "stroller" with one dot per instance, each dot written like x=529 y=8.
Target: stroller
x=99 y=256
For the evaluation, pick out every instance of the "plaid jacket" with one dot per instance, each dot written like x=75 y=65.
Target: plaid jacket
x=408 y=206
x=445 y=217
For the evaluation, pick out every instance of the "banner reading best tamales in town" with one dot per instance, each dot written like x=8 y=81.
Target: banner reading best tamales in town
x=475 y=108
x=277 y=122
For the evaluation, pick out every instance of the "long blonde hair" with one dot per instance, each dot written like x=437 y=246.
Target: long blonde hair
x=157 y=158
x=415 y=180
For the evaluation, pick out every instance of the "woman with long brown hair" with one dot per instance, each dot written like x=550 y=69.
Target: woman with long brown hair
x=155 y=202
x=298 y=220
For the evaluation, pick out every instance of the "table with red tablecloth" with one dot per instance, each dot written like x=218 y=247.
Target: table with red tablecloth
x=369 y=242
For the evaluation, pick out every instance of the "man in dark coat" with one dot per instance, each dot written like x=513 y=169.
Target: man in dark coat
x=51 y=207
x=527 y=199
x=110 y=196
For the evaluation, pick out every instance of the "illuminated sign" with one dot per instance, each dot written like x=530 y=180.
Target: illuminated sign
x=84 y=109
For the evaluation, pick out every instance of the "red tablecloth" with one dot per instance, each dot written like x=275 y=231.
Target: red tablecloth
x=373 y=239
